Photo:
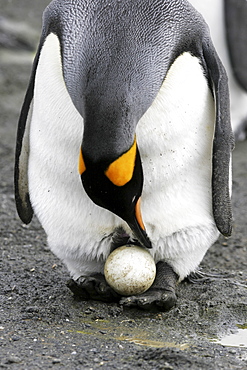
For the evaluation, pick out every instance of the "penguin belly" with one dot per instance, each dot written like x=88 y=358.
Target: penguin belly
x=213 y=12
x=78 y=231
x=175 y=138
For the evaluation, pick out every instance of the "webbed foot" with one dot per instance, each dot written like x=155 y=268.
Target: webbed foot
x=161 y=296
x=93 y=287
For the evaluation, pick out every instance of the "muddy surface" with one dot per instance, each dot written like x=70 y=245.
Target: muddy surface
x=43 y=326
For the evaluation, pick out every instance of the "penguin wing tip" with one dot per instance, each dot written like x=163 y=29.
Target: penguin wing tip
x=25 y=216
x=225 y=230
x=24 y=209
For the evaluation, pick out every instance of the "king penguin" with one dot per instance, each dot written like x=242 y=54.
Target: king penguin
x=228 y=27
x=125 y=138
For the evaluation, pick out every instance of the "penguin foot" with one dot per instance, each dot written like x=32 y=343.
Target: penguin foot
x=153 y=300
x=93 y=287
x=161 y=296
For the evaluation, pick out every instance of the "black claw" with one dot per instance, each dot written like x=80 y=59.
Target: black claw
x=76 y=290
x=93 y=287
x=161 y=296
x=152 y=300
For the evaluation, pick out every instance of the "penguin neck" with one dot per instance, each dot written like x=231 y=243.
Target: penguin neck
x=107 y=140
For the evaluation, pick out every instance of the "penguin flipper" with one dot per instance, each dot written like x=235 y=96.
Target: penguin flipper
x=223 y=142
x=23 y=204
x=236 y=31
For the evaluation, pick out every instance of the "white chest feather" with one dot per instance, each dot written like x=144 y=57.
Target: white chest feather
x=68 y=216
x=175 y=141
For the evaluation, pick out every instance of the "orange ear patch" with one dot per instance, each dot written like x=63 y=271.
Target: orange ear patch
x=81 y=164
x=121 y=170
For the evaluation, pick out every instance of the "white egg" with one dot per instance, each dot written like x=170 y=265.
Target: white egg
x=130 y=270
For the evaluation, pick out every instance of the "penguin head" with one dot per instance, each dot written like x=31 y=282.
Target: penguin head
x=117 y=186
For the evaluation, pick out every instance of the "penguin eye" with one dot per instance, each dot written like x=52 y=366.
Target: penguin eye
x=121 y=170
x=81 y=165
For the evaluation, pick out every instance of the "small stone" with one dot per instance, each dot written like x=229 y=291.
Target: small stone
x=94 y=350
x=56 y=361
x=89 y=310
x=232 y=351
x=115 y=311
x=15 y=338
x=32 y=309
x=167 y=366
x=13 y=360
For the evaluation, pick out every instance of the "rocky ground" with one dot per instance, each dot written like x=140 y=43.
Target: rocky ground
x=43 y=326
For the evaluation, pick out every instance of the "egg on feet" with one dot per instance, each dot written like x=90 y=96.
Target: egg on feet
x=130 y=270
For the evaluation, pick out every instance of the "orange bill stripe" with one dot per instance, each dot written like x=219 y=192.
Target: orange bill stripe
x=138 y=214
x=121 y=170
x=81 y=164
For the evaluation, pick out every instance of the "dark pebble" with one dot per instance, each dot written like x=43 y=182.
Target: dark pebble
x=56 y=361
x=15 y=338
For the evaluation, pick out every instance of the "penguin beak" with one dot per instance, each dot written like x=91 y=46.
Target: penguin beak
x=137 y=226
x=118 y=189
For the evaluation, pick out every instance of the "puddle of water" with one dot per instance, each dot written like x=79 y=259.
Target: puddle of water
x=240 y=326
x=154 y=343
x=121 y=332
x=238 y=339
